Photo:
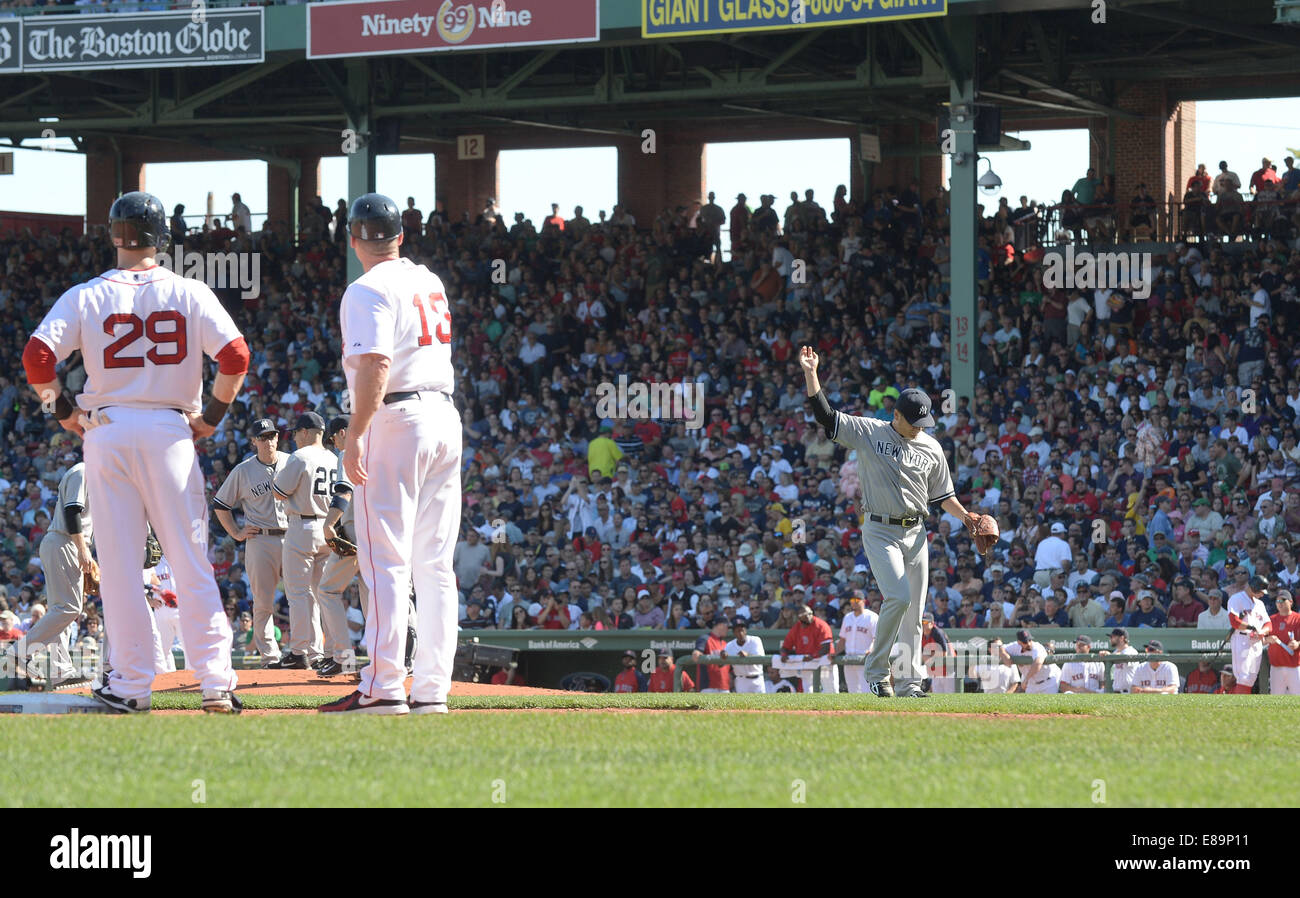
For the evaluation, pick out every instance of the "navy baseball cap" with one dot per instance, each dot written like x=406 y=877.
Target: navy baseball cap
x=1120 y=631
x=264 y=427
x=1258 y=584
x=915 y=406
x=1155 y=645
x=1023 y=636
x=309 y=421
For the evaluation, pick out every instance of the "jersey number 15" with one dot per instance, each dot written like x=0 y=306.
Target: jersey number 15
x=442 y=319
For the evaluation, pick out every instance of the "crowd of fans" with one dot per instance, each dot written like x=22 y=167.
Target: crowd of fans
x=1140 y=455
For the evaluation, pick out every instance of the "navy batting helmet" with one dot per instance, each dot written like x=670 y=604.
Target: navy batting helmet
x=335 y=425
x=137 y=220
x=374 y=216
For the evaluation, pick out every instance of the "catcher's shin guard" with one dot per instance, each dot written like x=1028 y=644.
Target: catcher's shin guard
x=410 y=646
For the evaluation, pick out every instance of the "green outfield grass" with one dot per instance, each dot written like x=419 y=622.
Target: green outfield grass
x=1150 y=751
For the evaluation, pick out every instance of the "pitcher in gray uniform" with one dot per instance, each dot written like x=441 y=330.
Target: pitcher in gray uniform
x=65 y=554
x=306 y=485
x=340 y=570
x=903 y=472
x=248 y=486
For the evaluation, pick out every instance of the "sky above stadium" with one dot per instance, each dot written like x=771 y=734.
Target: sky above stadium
x=1239 y=131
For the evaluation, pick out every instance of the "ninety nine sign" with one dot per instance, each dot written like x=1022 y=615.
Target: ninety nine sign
x=664 y=18
x=370 y=28
x=141 y=40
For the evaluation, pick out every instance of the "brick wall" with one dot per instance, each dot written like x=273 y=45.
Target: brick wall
x=1142 y=148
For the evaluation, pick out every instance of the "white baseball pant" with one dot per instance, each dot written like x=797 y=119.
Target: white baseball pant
x=830 y=678
x=168 y=621
x=855 y=678
x=141 y=466
x=752 y=684
x=900 y=562
x=1247 y=654
x=1283 y=680
x=1048 y=682
x=407 y=521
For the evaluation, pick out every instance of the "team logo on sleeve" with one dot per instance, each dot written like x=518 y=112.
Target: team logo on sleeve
x=905 y=455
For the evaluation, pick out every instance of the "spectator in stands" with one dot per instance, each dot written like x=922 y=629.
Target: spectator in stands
x=412 y=221
x=240 y=216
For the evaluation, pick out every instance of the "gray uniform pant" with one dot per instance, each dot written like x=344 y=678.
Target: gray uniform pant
x=264 y=561
x=305 y=554
x=339 y=573
x=900 y=564
x=64 y=596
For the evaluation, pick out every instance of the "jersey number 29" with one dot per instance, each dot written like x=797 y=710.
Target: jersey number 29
x=175 y=337
x=442 y=317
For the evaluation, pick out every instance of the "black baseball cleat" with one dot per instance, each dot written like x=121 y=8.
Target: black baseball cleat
x=293 y=661
x=329 y=668
x=882 y=689
x=221 y=701
x=913 y=692
x=120 y=705
x=359 y=704
x=271 y=664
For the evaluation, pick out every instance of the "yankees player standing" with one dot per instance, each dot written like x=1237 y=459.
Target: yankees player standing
x=65 y=555
x=306 y=485
x=857 y=633
x=903 y=471
x=339 y=569
x=142 y=332
x=402 y=453
x=249 y=486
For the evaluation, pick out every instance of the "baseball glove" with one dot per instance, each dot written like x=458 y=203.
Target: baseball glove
x=152 y=550
x=341 y=546
x=90 y=579
x=168 y=597
x=986 y=533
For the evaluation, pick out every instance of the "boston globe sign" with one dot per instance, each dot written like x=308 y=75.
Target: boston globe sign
x=137 y=40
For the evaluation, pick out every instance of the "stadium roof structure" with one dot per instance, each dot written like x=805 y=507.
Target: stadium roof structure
x=1038 y=59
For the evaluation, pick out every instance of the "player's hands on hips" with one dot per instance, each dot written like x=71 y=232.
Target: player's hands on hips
x=198 y=426
x=808 y=359
x=246 y=533
x=353 y=447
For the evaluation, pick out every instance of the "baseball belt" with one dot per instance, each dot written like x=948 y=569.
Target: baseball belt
x=269 y=531
x=403 y=395
x=909 y=521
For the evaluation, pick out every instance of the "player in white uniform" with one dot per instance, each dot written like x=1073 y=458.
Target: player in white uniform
x=1036 y=677
x=997 y=674
x=857 y=634
x=1250 y=627
x=167 y=616
x=402 y=454
x=1160 y=677
x=143 y=332
x=747 y=677
x=1121 y=675
x=1083 y=676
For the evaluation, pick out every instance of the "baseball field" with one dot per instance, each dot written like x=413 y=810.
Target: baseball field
x=523 y=747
